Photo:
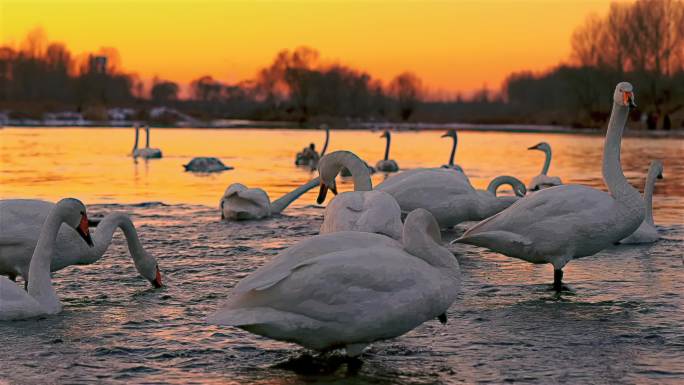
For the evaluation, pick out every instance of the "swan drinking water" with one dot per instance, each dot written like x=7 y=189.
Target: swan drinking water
x=452 y=134
x=241 y=203
x=558 y=224
x=387 y=164
x=23 y=220
x=361 y=209
x=308 y=156
x=542 y=180
x=448 y=194
x=647 y=232
x=348 y=289
x=41 y=299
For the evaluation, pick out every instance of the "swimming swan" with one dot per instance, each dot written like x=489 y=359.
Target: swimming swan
x=361 y=209
x=452 y=134
x=206 y=164
x=558 y=224
x=241 y=203
x=308 y=156
x=23 y=220
x=647 y=232
x=41 y=299
x=386 y=164
x=448 y=194
x=347 y=289
x=147 y=152
x=542 y=180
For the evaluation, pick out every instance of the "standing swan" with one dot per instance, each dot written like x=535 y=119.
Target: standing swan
x=308 y=156
x=647 y=232
x=22 y=223
x=241 y=203
x=562 y=223
x=542 y=180
x=387 y=164
x=15 y=303
x=348 y=289
x=361 y=209
x=452 y=134
x=448 y=194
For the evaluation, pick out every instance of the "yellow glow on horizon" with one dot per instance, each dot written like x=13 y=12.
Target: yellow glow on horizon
x=451 y=46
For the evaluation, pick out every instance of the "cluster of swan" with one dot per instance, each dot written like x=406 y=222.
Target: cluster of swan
x=367 y=276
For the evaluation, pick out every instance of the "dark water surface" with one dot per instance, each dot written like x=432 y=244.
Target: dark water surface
x=623 y=325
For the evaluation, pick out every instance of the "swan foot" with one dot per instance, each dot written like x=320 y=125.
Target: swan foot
x=324 y=363
x=442 y=318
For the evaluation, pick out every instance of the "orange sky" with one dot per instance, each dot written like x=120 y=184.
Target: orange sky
x=452 y=45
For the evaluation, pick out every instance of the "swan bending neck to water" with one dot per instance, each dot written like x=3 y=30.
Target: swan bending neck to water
x=562 y=223
x=518 y=187
x=361 y=209
x=387 y=164
x=377 y=288
x=242 y=203
x=26 y=217
x=543 y=180
x=206 y=164
x=647 y=232
x=452 y=134
x=41 y=298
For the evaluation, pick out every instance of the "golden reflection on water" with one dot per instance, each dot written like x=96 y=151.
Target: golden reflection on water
x=93 y=163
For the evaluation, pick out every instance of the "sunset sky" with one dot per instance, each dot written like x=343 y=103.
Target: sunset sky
x=452 y=45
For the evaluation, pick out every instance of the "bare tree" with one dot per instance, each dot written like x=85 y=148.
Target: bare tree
x=406 y=88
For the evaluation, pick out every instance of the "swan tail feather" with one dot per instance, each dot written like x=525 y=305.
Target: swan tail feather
x=281 y=203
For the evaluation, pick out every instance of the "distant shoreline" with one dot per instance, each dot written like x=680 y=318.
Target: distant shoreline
x=406 y=127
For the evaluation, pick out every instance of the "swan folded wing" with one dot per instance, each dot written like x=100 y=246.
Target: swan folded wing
x=358 y=294
x=281 y=266
x=15 y=303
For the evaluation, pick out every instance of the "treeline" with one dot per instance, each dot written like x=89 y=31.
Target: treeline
x=641 y=42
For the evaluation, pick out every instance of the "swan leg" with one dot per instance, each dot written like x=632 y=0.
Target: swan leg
x=26 y=285
x=442 y=318
x=558 y=280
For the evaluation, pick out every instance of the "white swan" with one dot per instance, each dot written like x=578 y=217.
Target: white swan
x=558 y=224
x=542 y=180
x=347 y=289
x=308 y=156
x=21 y=226
x=361 y=209
x=206 y=164
x=452 y=134
x=41 y=298
x=387 y=164
x=448 y=194
x=147 y=152
x=241 y=203
x=647 y=232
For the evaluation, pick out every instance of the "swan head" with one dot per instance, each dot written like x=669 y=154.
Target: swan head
x=657 y=165
x=147 y=267
x=423 y=220
x=542 y=146
x=75 y=216
x=624 y=95
x=449 y=134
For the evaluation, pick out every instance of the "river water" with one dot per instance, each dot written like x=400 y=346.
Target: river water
x=623 y=324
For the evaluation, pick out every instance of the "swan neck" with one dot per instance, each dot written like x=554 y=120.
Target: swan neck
x=424 y=242
x=147 y=137
x=648 y=194
x=387 y=146
x=357 y=168
x=612 y=168
x=502 y=180
x=327 y=139
x=281 y=203
x=547 y=161
x=40 y=282
x=453 y=151
x=137 y=138
x=105 y=231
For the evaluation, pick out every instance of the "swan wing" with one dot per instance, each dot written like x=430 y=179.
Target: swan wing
x=281 y=266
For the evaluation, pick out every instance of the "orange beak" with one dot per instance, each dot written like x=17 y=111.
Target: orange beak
x=629 y=99
x=84 y=231
x=157 y=283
